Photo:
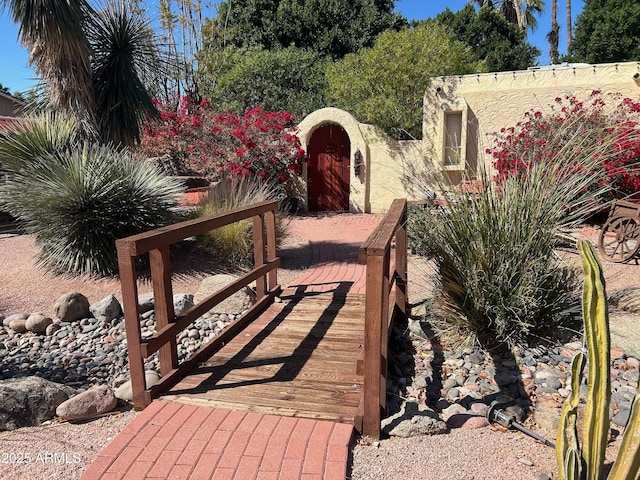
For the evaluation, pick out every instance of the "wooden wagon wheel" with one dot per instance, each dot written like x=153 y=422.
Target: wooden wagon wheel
x=620 y=239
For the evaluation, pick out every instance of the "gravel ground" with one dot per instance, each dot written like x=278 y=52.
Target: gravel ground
x=64 y=450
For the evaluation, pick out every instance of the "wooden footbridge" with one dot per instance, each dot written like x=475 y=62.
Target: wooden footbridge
x=315 y=350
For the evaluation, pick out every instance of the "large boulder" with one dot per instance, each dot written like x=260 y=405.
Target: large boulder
x=236 y=303
x=38 y=323
x=410 y=421
x=29 y=401
x=18 y=325
x=71 y=307
x=89 y=404
x=106 y=309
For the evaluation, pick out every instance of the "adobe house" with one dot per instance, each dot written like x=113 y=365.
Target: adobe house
x=9 y=108
x=351 y=166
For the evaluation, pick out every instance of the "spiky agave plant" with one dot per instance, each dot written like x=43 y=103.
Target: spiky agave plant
x=585 y=461
x=500 y=280
x=77 y=201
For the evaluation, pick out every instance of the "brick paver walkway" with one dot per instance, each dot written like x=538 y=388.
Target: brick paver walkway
x=174 y=441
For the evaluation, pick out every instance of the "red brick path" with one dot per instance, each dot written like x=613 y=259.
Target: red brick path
x=174 y=441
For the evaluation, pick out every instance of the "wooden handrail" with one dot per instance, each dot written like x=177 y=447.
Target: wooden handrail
x=168 y=326
x=384 y=304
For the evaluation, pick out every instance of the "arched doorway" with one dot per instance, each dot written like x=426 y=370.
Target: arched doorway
x=329 y=162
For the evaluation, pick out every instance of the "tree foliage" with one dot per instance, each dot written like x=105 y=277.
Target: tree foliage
x=238 y=79
x=384 y=85
x=501 y=45
x=330 y=27
x=607 y=31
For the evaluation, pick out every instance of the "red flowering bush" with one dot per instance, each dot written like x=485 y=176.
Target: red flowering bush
x=574 y=127
x=202 y=142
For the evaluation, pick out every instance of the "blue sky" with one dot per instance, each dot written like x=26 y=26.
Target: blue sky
x=15 y=73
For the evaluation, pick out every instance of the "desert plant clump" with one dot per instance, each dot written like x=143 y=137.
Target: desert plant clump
x=76 y=199
x=234 y=242
x=499 y=280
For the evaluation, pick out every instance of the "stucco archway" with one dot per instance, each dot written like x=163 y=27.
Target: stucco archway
x=359 y=192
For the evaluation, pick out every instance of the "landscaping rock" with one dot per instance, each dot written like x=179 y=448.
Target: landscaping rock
x=411 y=422
x=145 y=302
x=106 y=309
x=37 y=323
x=181 y=303
x=124 y=391
x=29 y=401
x=18 y=325
x=236 y=303
x=71 y=307
x=89 y=404
x=16 y=316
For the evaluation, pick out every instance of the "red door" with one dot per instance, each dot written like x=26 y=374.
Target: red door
x=329 y=154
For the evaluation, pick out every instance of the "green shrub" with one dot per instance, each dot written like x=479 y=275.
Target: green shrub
x=234 y=241
x=76 y=200
x=499 y=279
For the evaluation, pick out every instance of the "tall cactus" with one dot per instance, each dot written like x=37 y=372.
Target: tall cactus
x=586 y=462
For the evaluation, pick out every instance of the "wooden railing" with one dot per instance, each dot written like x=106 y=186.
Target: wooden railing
x=386 y=303
x=156 y=243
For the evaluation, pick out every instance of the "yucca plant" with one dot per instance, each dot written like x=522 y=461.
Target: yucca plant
x=586 y=461
x=499 y=279
x=234 y=241
x=77 y=199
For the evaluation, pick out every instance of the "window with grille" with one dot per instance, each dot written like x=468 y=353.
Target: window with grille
x=453 y=139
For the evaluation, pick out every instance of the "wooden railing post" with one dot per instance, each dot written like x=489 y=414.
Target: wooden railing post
x=272 y=253
x=373 y=380
x=401 y=299
x=376 y=254
x=163 y=305
x=258 y=253
x=128 y=280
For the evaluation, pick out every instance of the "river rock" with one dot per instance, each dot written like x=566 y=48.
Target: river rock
x=145 y=302
x=124 y=391
x=16 y=316
x=236 y=303
x=181 y=303
x=411 y=422
x=29 y=401
x=37 y=323
x=18 y=325
x=71 y=307
x=89 y=404
x=106 y=309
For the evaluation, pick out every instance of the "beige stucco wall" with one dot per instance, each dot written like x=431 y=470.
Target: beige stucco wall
x=385 y=160
x=488 y=102
x=496 y=100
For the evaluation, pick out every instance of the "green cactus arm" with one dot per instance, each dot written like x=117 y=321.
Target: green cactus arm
x=567 y=436
x=572 y=465
x=627 y=465
x=596 y=319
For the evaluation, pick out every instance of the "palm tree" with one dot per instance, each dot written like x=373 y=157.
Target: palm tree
x=518 y=12
x=554 y=34
x=53 y=32
x=94 y=65
x=568 y=8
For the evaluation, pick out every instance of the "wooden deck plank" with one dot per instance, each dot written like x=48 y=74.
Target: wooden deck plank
x=297 y=359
